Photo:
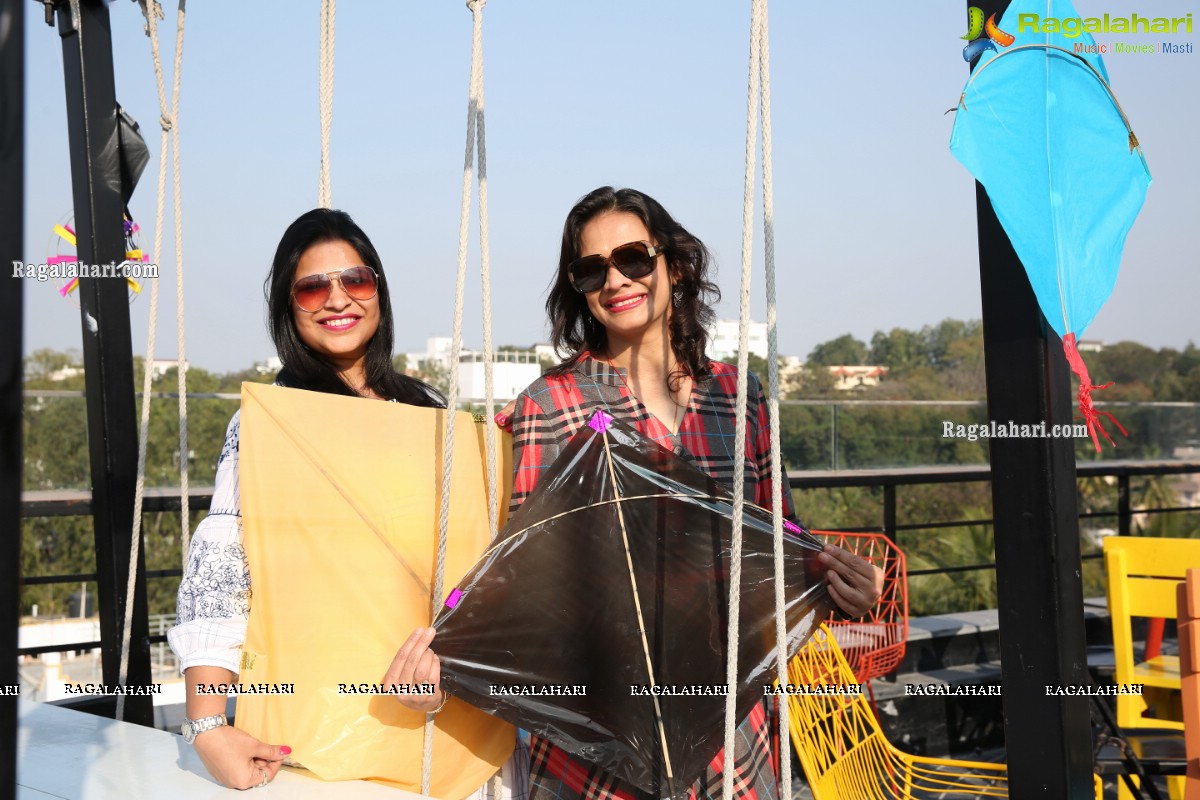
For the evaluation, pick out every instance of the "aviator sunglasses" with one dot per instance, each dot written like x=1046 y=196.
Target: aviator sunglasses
x=311 y=291
x=634 y=260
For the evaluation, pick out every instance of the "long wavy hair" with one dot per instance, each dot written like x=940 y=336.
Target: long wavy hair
x=304 y=368
x=574 y=329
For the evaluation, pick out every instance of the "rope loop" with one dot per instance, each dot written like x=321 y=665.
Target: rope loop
x=167 y=122
x=151 y=7
x=476 y=5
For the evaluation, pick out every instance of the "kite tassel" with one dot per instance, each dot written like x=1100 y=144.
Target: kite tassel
x=1091 y=416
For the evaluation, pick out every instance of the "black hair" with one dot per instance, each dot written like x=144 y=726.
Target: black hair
x=303 y=368
x=574 y=329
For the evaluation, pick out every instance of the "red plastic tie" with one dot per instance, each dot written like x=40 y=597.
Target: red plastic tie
x=1090 y=415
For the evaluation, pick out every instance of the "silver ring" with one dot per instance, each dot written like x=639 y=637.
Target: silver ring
x=266 y=778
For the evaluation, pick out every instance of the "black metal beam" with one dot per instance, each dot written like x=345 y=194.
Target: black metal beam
x=1039 y=584
x=72 y=503
x=12 y=248
x=92 y=128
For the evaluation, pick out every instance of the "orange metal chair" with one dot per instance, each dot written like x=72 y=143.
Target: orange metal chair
x=1188 y=602
x=874 y=645
x=843 y=750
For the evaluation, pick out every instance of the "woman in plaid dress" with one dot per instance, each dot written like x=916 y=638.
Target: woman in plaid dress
x=631 y=303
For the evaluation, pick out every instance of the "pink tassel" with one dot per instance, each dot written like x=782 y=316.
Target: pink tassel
x=1090 y=415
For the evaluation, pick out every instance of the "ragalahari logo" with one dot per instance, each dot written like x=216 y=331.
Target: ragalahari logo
x=983 y=35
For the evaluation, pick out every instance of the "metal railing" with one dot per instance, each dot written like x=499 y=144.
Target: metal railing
x=888 y=481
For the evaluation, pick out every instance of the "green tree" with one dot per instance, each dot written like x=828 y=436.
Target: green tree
x=845 y=349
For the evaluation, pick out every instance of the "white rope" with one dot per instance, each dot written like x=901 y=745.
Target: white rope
x=491 y=450
x=764 y=68
x=170 y=129
x=475 y=144
x=181 y=351
x=739 y=457
x=328 y=13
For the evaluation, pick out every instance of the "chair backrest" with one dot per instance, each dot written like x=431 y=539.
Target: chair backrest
x=1142 y=575
x=1188 y=605
x=833 y=729
x=874 y=645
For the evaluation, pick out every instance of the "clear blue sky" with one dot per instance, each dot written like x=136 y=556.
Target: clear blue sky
x=875 y=219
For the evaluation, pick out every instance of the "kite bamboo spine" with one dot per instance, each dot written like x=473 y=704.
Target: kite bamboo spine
x=637 y=604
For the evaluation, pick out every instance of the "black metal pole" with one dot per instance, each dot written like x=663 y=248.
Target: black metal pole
x=12 y=222
x=1039 y=582
x=107 y=348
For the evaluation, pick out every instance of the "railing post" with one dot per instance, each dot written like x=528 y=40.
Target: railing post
x=1039 y=586
x=889 y=511
x=12 y=222
x=833 y=437
x=92 y=128
x=1124 y=508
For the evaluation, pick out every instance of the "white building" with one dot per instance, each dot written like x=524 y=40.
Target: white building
x=723 y=340
x=512 y=371
x=159 y=367
x=272 y=364
x=854 y=376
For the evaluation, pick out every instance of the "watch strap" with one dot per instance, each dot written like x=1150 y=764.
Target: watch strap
x=199 y=726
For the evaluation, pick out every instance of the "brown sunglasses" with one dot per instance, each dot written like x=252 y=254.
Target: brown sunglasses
x=634 y=260
x=311 y=291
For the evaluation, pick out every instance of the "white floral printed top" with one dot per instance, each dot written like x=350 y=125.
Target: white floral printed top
x=213 y=604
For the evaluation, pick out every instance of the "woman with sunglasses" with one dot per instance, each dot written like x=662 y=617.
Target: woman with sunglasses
x=630 y=303
x=330 y=317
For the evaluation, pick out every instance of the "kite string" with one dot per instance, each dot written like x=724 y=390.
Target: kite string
x=637 y=605
x=739 y=458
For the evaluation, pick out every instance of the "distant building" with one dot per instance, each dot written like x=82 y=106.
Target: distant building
x=1089 y=345
x=271 y=365
x=63 y=373
x=512 y=370
x=437 y=351
x=159 y=367
x=723 y=340
x=856 y=376
x=546 y=352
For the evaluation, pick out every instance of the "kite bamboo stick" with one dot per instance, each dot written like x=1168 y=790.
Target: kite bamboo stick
x=637 y=604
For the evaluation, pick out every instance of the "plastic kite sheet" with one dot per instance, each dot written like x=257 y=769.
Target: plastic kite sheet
x=1039 y=126
x=622 y=536
x=340 y=498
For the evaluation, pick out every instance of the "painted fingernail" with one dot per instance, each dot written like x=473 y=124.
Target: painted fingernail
x=285 y=750
x=501 y=420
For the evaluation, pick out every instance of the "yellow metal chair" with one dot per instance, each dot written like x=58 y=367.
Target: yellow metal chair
x=844 y=752
x=1142 y=576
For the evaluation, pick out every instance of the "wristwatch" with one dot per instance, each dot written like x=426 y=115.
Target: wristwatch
x=192 y=728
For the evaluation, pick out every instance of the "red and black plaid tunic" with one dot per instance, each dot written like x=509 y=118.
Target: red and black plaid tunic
x=546 y=417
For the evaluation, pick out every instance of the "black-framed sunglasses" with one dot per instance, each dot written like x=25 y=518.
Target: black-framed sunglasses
x=634 y=260
x=311 y=291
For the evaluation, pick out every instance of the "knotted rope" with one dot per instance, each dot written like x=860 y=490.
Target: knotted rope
x=476 y=151
x=168 y=141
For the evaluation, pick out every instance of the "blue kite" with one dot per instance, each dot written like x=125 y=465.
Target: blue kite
x=1039 y=126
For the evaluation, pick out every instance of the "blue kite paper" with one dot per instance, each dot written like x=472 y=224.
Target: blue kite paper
x=1039 y=127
